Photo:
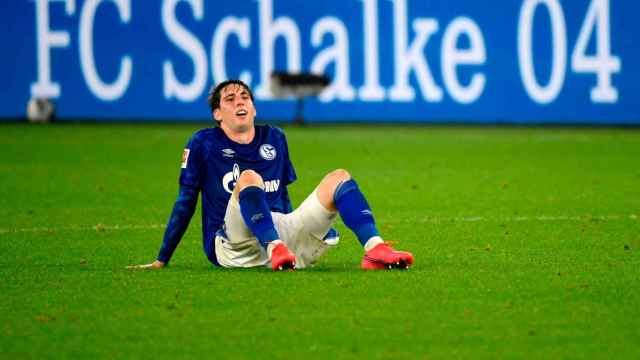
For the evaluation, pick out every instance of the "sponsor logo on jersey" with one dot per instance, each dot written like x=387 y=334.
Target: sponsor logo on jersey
x=185 y=158
x=271 y=185
x=228 y=153
x=230 y=179
x=268 y=152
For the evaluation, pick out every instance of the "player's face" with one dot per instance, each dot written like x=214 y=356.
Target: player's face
x=236 y=110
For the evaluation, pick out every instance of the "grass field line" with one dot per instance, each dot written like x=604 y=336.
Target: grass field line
x=97 y=227
x=428 y=219
x=436 y=219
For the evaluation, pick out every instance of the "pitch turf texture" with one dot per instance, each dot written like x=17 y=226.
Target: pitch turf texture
x=526 y=242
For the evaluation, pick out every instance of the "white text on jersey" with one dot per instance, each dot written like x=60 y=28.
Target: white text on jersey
x=271 y=185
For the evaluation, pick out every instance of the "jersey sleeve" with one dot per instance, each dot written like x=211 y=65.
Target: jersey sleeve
x=183 y=210
x=185 y=205
x=289 y=175
x=192 y=165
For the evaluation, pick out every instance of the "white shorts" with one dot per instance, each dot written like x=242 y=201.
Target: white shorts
x=302 y=231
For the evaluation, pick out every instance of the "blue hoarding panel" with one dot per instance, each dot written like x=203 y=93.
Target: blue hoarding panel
x=541 y=61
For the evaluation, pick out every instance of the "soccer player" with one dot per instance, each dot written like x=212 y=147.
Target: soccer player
x=243 y=170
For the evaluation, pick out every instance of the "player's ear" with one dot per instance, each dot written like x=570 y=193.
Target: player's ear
x=216 y=115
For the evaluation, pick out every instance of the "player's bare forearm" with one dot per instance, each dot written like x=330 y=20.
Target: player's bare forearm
x=152 y=266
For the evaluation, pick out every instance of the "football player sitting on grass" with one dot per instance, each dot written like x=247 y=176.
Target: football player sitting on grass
x=243 y=171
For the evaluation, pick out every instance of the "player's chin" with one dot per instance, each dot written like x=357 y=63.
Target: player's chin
x=244 y=121
x=242 y=127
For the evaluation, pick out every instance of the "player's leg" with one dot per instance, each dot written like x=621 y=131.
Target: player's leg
x=249 y=191
x=339 y=192
x=307 y=230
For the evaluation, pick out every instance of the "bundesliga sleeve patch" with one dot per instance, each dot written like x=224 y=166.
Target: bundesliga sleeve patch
x=185 y=158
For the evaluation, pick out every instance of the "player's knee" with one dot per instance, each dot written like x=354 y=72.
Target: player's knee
x=329 y=185
x=335 y=178
x=249 y=178
x=339 y=175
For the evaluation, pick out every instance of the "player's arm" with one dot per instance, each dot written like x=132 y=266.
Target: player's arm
x=154 y=265
x=178 y=223
x=183 y=208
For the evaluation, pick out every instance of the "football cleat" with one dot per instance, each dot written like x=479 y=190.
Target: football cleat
x=282 y=258
x=384 y=257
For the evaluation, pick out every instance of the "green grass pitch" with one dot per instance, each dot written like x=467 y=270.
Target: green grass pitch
x=526 y=241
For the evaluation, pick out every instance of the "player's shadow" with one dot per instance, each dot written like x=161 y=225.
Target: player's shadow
x=324 y=268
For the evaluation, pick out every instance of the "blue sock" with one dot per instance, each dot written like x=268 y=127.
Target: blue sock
x=257 y=215
x=355 y=211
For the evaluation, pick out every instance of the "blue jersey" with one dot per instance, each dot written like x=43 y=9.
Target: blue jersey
x=211 y=164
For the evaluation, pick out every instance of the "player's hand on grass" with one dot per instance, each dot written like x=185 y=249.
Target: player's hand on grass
x=154 y=265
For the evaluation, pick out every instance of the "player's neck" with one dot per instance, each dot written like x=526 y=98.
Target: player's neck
x=240 y=137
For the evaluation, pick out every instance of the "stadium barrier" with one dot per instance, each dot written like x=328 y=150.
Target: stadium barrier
x=529 y=61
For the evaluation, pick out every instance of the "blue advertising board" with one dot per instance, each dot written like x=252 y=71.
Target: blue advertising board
x=508 y=61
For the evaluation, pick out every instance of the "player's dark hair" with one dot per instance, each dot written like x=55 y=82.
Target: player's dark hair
x=214 y=93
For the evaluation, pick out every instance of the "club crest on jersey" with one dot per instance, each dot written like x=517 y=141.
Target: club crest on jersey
x=185 y=158
x=268 y=152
